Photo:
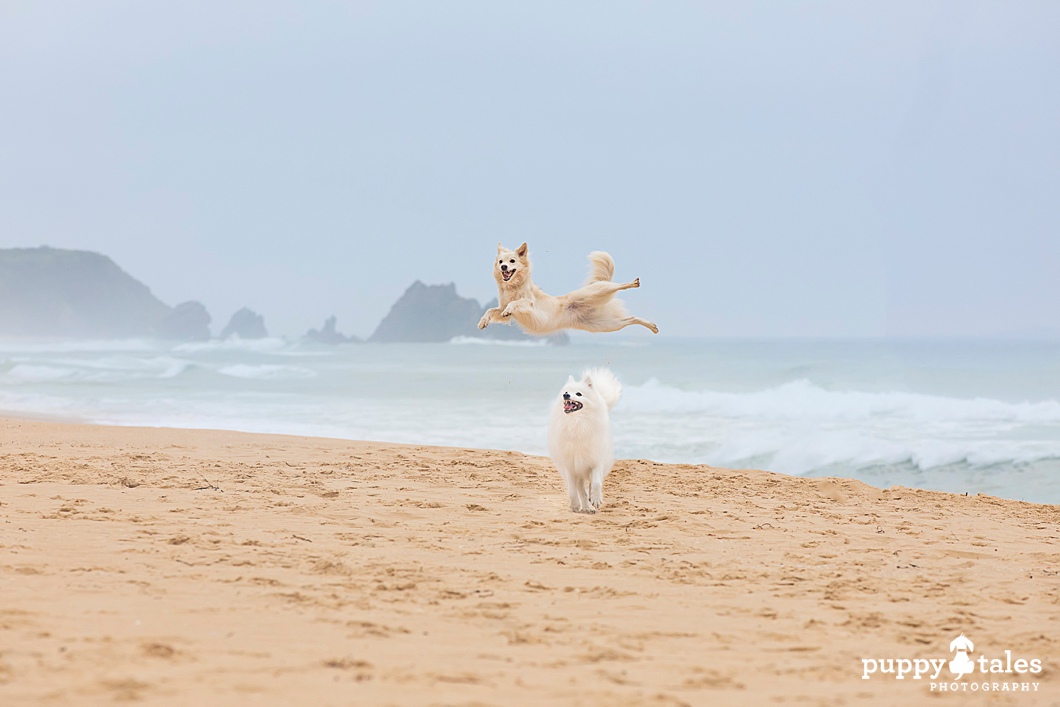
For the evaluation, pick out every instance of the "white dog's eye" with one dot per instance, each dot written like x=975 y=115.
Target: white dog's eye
x=578 y=394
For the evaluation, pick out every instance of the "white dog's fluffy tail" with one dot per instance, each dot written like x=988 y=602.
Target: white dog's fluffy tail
x=601 y=267
x=603 y=381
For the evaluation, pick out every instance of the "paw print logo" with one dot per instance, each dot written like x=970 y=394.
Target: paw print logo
x=961 y=664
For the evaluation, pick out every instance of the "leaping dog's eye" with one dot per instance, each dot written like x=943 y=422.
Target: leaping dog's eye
x=512 y=260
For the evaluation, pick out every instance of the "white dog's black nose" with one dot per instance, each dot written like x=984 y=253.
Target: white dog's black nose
x=566 y=396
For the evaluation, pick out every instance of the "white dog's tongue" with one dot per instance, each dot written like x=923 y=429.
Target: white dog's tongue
x=571 y=405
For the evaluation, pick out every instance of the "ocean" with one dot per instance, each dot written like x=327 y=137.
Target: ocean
x=960 y=416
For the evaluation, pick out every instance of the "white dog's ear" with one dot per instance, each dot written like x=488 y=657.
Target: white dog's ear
x=521 y=250
x=588 y=381
x=570 y=379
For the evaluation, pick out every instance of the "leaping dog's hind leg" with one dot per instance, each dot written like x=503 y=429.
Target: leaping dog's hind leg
x=605 y=288
x=628 y=321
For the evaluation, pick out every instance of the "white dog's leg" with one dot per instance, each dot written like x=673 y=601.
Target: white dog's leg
x=575 y=497
x=596 y=488
x=580 y=495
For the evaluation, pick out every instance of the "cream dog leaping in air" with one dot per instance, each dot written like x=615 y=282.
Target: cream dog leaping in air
x=589 y=308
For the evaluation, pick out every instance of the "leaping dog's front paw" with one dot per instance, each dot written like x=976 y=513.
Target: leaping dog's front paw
x=484 y=322
x=636 y=282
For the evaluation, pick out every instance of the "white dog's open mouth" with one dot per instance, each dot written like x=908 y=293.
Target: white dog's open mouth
x=571 y=406
x=507 y=274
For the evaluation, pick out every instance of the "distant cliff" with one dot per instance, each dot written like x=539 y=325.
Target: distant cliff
x=427 y=313
x=72 y=293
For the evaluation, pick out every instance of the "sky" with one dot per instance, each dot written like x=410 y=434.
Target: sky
x=774 y=169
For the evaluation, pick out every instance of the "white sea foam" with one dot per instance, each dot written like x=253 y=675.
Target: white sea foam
x=29 y=373
x=66 y=346
x=110 y=369
x=266 y=371
x=802 y=400
x=482 y=341
x=799 y=427
x=235 y=344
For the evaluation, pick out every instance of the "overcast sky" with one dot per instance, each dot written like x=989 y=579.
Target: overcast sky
x=770 y=169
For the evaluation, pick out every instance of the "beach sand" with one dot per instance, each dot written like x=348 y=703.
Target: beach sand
x=219 y=568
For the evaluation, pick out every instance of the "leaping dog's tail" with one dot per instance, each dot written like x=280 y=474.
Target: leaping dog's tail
x=601 y=267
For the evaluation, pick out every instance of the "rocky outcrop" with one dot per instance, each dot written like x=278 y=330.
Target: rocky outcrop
x=188 y=321
x=245 y=324
x=328 y=335
x=50 y=292
x=429 y=313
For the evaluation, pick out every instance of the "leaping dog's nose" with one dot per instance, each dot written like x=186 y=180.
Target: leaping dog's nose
x=566 y=396
x=504 y=267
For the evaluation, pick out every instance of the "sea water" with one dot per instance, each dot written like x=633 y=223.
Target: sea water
x=962 y=416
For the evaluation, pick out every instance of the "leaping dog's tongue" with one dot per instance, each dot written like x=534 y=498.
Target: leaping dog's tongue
x=571 y=405
x=507 y=274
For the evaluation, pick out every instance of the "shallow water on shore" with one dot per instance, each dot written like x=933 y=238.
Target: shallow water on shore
x=964 y=416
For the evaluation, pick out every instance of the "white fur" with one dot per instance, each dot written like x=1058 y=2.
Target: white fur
x=592 y=307
x=579 y=442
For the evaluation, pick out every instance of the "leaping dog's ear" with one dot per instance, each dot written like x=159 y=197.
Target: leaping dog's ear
x=521 y=250
x=500 y=248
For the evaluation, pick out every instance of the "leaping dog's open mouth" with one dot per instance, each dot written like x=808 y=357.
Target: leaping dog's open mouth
x=507 y=274
x=570 y=406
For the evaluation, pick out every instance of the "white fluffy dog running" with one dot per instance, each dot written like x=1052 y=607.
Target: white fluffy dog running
x=579 y=436
x=589 y=308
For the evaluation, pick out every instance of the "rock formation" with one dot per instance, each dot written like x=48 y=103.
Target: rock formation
x=328 y=335
x=246 y=324
x=429 y=313
x=188 y=321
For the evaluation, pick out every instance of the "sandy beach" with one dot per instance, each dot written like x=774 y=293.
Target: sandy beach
x=167 y=566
